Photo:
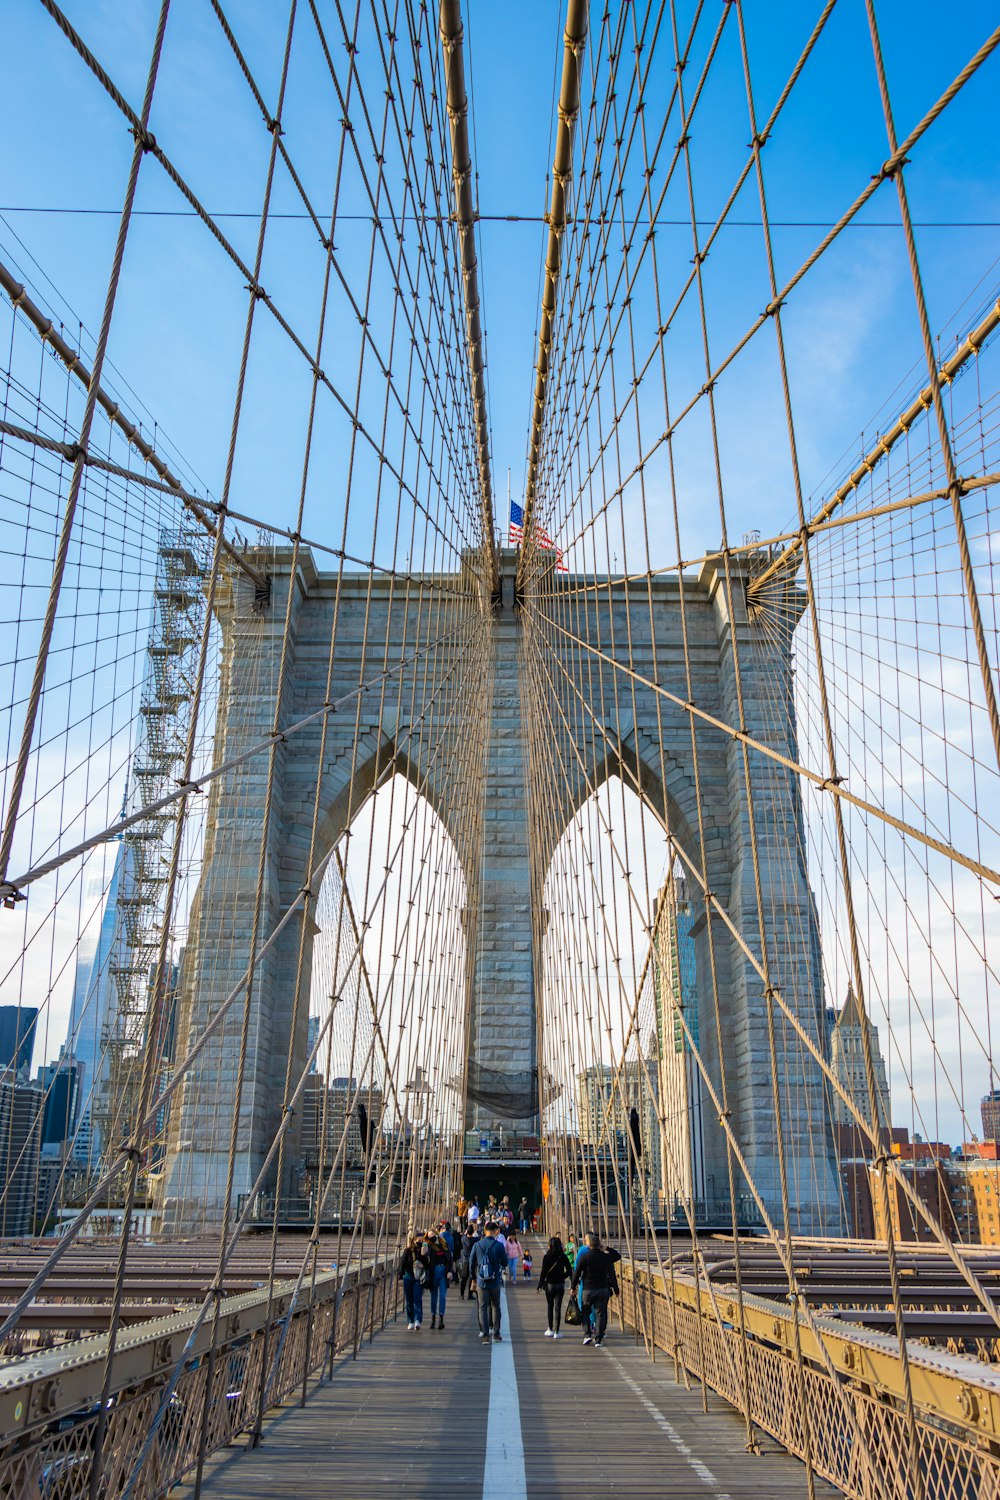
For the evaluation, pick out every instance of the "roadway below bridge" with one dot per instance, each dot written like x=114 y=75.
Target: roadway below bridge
x=429 y=1413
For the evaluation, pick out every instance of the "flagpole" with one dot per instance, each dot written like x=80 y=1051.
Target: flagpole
x=508 y=504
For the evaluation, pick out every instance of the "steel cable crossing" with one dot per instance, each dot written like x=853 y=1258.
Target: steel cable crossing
x=815 y=677
x=399 y=995
x=594 y=661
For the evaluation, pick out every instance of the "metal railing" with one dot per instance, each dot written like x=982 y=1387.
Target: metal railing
x=339 y=1214
x=957 y=1399
x=49 y=1403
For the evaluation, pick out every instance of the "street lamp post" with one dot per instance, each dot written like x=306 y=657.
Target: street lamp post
x=413 y=1122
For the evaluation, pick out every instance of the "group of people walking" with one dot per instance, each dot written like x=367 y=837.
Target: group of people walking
x=593 y=1281
x=485 y=1254
x=428 y=1261
x=500 y=1212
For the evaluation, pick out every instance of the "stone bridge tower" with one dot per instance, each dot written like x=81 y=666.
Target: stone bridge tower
x=643 y=735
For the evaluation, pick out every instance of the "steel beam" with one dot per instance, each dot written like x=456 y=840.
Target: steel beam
x=38 y=1389
x=465 y=219
x=955 y=1389
x=574 y=42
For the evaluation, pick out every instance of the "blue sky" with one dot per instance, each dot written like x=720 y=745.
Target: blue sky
x=851 y=332
x=852 y=338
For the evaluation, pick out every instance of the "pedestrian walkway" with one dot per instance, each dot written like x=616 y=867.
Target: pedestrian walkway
x=531 y=1418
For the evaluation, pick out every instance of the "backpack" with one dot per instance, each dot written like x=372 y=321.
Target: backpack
x=419 y=1271
x=488 y=1268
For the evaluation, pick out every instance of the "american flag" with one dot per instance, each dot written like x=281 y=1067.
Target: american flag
x=516 y=536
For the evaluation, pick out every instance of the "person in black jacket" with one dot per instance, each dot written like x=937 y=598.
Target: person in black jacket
x=555 y=1272
x=442 y=1270
x=596 y=1270
x=462 y=1270
x=414 y=1273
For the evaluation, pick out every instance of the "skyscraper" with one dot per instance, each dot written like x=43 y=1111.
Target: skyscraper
x=93 y=1009
x=17 y=1036
x=847 y=1061
x=85 y=951
x=989 y=1109
x=20 y=1115
x=676 y=990
x=327 y=1120
x=312 y=1033
x=60 y=1085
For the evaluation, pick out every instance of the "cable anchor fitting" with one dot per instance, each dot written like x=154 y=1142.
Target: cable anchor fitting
x=890 y=168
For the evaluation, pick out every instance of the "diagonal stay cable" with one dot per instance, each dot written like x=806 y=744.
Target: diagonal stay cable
x=12 y=890
x=306 y=890
x=247 y=1211
x=885 y=173
x=80 y=451
x=975 y=1282
x=824 y=783
x=151 y=146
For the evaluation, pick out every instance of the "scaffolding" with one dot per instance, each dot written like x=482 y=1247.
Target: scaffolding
x=179 y=606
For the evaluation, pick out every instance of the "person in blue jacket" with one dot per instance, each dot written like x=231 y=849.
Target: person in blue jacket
x=584 y=1311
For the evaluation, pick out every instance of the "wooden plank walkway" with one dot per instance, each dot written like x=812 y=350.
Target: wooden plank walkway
x=411 y=1414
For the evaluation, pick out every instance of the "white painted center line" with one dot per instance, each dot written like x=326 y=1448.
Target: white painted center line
x=702 y=1470
x=503 y=1475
